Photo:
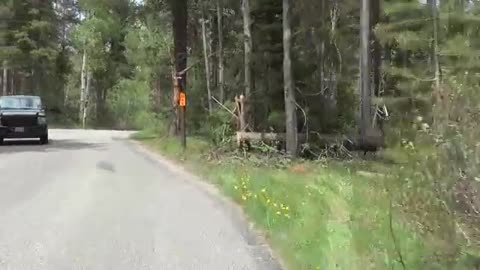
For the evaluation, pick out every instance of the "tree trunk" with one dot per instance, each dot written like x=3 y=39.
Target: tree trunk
x=65 y=95
x=321 y=49
x=157 y=92
x=83 y=84
x=437 y=91
x=290 y=103
x=209 y=36
x=436 y=62
x=22 y=83
x=5 y=77
x=180 y=37
x=207 y=64
x=333 y=83
x=365 y=86
x=377 y=47
x=13 y=78
x=86 y=99
x=248 y=46
x=221 y=66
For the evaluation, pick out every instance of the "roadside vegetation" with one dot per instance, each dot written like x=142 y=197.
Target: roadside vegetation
x=279 y=95
x=329 y=213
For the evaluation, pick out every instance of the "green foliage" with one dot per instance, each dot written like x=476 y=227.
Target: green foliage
x=218 y=128
x=130 y=104
x=276 y=120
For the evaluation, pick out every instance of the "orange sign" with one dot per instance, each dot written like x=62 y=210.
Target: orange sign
x=183 y=99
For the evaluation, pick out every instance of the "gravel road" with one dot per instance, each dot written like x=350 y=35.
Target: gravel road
x=93 y=200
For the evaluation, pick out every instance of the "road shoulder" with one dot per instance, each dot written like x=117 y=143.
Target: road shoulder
x=254 y=237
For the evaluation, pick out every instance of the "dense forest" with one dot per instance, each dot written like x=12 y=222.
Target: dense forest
x=397 y=73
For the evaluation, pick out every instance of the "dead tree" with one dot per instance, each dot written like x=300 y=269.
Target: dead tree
x=289 y=88
x=207 y=64
x=221 y=65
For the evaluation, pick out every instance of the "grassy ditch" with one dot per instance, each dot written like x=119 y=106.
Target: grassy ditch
x=316 y=215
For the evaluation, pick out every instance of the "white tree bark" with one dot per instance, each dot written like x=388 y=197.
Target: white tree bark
x=5 y=77
x=289 y=88
x=86 y=98
x=207 y=64
x=83 y=85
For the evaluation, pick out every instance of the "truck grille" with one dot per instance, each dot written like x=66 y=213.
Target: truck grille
x=19 y=121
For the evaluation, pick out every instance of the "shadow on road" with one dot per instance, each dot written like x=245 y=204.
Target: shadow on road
x=53 y=146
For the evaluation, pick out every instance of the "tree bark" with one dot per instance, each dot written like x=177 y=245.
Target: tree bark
x=377 y=47
x=207 y=64
x=436 y=62
x=13 y=78
x=83 y=85
x=334 y=66
x=242 y=119
x=221 y=65
x=157 y=92
x=289 y=89
x=248 y=46
x=86 y=98
x=437 y=91
x=180 y=37
x=5 y=77
x=365 y=86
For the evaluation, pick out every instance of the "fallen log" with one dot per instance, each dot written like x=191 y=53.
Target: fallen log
x=253 y=137
x=371 y=174
x=399 y=101
x=264 y=137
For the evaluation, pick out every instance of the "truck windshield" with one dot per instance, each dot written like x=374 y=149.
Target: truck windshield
x=20 y=103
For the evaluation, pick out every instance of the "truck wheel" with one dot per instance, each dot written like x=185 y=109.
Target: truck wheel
x=44 y=139
x=1 y=141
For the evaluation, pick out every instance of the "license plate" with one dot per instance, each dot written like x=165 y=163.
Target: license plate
x=19 y=129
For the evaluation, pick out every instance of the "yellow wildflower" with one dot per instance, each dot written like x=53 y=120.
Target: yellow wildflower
x=264 y=190
x=279 y=213
x=244 y=198
x=235 y=187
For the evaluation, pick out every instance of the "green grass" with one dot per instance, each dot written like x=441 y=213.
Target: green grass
x=315 y=215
